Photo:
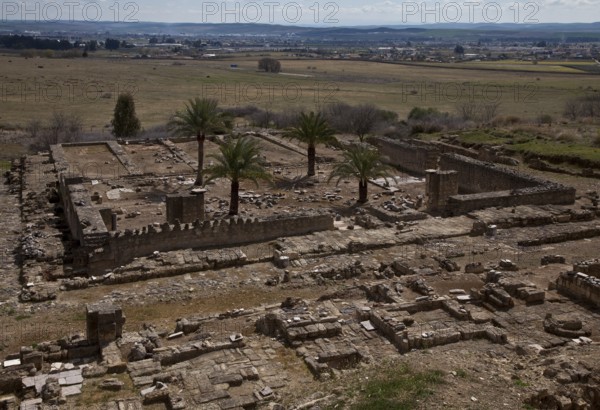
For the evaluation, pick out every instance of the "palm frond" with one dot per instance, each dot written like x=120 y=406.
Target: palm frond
x=311 y=129
x=238 y=160
x=361 y=163
x=199 y=116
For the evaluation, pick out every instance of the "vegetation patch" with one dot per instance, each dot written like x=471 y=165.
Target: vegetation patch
x=396 y=386
x=462 y=373
x=563 y=148
x=520 y=383
x=484 y=137
x=554 y=149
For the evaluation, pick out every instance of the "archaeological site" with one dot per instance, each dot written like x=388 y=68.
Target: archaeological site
x=468 y=276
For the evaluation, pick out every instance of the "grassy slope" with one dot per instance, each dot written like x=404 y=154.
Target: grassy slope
x=530 y=143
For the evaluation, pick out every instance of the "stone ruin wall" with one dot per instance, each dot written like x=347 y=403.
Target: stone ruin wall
x=84 y=218
x=85 y=221
x=483 y=184
x=580 y=286
x=122 y=247
x=492 y=185
x=542 y=195
x=101 y=250
x=412 y=158
x=478 y=176
x=114 y=171
x=589 y=267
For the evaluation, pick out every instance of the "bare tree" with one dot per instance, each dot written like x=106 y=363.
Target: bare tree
x=363 y=119
x=338 y=116
x=572 y=109
x=586 y=106
x=467 y=110
x=60 y=128
x=33 y=128
x=591 y=106
x=489 y=111
x=472 y=111
x=285 y=118
x=262 y=118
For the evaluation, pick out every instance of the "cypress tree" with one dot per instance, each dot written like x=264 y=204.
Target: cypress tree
x=125 y=122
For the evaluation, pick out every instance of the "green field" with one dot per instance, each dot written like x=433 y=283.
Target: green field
x=32 y=88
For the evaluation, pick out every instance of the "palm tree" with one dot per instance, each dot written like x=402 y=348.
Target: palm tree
x=200 y=116
x=362 y=163
x=238 y=159
x=312 y=129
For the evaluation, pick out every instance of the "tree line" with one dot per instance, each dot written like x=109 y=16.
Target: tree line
x=24 y=42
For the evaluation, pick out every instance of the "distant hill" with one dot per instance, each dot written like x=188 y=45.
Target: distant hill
x=542 y=30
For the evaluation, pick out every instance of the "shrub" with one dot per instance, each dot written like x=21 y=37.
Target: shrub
x=430 y=120
x=261 y=118
x=567 y=136
x=270 y=65
x=243 y=111
x=286 y=118
x=505 y=120
x=418 y=113
x=587 y=106
x=61 y=128
x=544 y=119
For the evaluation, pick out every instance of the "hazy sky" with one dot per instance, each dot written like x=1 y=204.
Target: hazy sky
x=301 y=12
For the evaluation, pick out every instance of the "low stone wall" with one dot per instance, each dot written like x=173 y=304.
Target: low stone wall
x=123 y=247
x=179 y=152
x=575 y=233
x=279 y=141
x=409 y=157
x=62 y=165
x=444 y=148
x=84 y=218
x=173 y=355
x=484 y=184
x=539 y=195
x=404 y=216
x=478 y=176
x=406 y=338
x=580 y=286
x=275 y=324
x=123 y=157
x=57 y=154
x=590 y=267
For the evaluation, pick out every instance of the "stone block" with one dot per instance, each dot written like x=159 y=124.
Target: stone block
x=35 y=358
x=185 y=208
x=234 y=379
x=211 y=396
x=144 y=367
x=531 y=295
x=104 y=323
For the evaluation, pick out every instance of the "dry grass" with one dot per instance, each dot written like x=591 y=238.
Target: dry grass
x=91 y=394
x=393 y=385
x=89 y=87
